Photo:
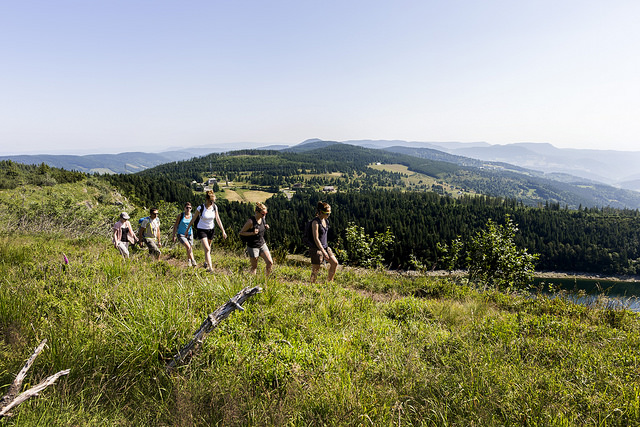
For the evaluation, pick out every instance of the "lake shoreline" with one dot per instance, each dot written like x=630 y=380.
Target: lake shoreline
x=582 y=275
x=564 y=275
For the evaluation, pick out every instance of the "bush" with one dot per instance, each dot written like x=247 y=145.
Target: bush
x=362 y=250
x=492 y=258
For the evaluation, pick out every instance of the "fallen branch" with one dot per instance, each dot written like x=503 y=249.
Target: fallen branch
x=10 y=400
x=212 y=320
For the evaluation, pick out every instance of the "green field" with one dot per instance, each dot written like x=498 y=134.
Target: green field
x=415 y=180
x=373 y=348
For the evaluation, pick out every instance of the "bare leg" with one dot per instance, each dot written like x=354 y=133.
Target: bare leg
x=254 y=265
x=206 y=244
x=268 y=261
x=333 y=266
x=189 y=249
x=314 y=272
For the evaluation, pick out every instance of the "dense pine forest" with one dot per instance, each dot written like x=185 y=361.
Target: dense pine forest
x=285 y=168
x=587 y=239
x=598 y=240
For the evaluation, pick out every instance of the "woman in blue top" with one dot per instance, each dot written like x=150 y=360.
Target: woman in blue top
x=184 y=231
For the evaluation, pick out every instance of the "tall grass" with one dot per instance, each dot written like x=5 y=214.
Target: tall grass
x=371 y=349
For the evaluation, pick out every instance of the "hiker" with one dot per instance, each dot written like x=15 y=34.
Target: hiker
x=149 y=233
x=252 y=233
x=318 y=246
x=123 y=234
x=184 y=231
x=204 y=217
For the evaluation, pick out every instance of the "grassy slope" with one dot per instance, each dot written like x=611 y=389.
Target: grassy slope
x=373 y=349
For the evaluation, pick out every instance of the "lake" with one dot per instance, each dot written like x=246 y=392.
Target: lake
x=620 y=293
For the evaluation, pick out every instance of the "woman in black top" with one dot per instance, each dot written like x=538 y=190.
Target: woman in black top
x=319 y=248
x=252 y=233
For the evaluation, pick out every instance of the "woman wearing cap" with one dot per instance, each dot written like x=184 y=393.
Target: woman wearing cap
x=252 y=233
x=123 y=235
x=319 y=248
x=182 y=229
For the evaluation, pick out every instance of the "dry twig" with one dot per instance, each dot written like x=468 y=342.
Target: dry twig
x=12 y=399
x=212 y=320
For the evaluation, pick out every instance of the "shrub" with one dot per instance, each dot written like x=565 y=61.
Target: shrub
x=362 y=250
x=492 y=258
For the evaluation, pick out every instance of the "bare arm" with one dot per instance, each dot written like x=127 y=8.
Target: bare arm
x=194 y=217
x=219 y=221
x=247 y=229
x=175 y=227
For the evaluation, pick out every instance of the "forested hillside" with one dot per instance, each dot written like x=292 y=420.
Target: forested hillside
x=590 y=240
x=602 y=240
x=318 y=167
x=530 y=186
x=13 y=174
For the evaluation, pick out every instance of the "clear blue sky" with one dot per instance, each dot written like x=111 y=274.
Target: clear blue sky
x=112 y=75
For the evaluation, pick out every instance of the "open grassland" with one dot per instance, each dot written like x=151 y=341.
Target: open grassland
x=241 y=195
x=374 y=348
x=231 y=195
x=419 y=180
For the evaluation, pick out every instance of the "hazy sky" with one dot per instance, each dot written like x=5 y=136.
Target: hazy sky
x=112 y=75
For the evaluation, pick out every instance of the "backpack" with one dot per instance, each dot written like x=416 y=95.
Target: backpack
x=140 y=221
x=307 y=237
x=247 y=239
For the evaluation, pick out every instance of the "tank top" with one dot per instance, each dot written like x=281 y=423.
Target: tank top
x=256 y=241
x=183 y=224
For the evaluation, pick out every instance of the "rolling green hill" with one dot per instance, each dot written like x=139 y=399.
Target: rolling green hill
x=284 y=168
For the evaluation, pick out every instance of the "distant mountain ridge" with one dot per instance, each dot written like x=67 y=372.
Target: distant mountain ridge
x=101 y=163
x=617 y=168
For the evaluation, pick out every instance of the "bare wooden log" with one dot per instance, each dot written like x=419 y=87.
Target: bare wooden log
x=210 y=322
x=10 y=400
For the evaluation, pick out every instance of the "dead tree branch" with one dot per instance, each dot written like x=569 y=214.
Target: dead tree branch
x=12 y=399
x=211 y=321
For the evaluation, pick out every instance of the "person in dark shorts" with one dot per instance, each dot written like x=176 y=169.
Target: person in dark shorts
x=318 y=247
x=252 y=233
x=205 y=217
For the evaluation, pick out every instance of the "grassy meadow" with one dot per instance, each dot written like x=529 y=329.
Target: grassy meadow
x=416 y=179
x=373 y=348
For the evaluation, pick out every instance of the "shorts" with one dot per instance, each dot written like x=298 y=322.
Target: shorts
x=255 y=252
x=204 y=233
x=316 y=255
x=186 y=239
